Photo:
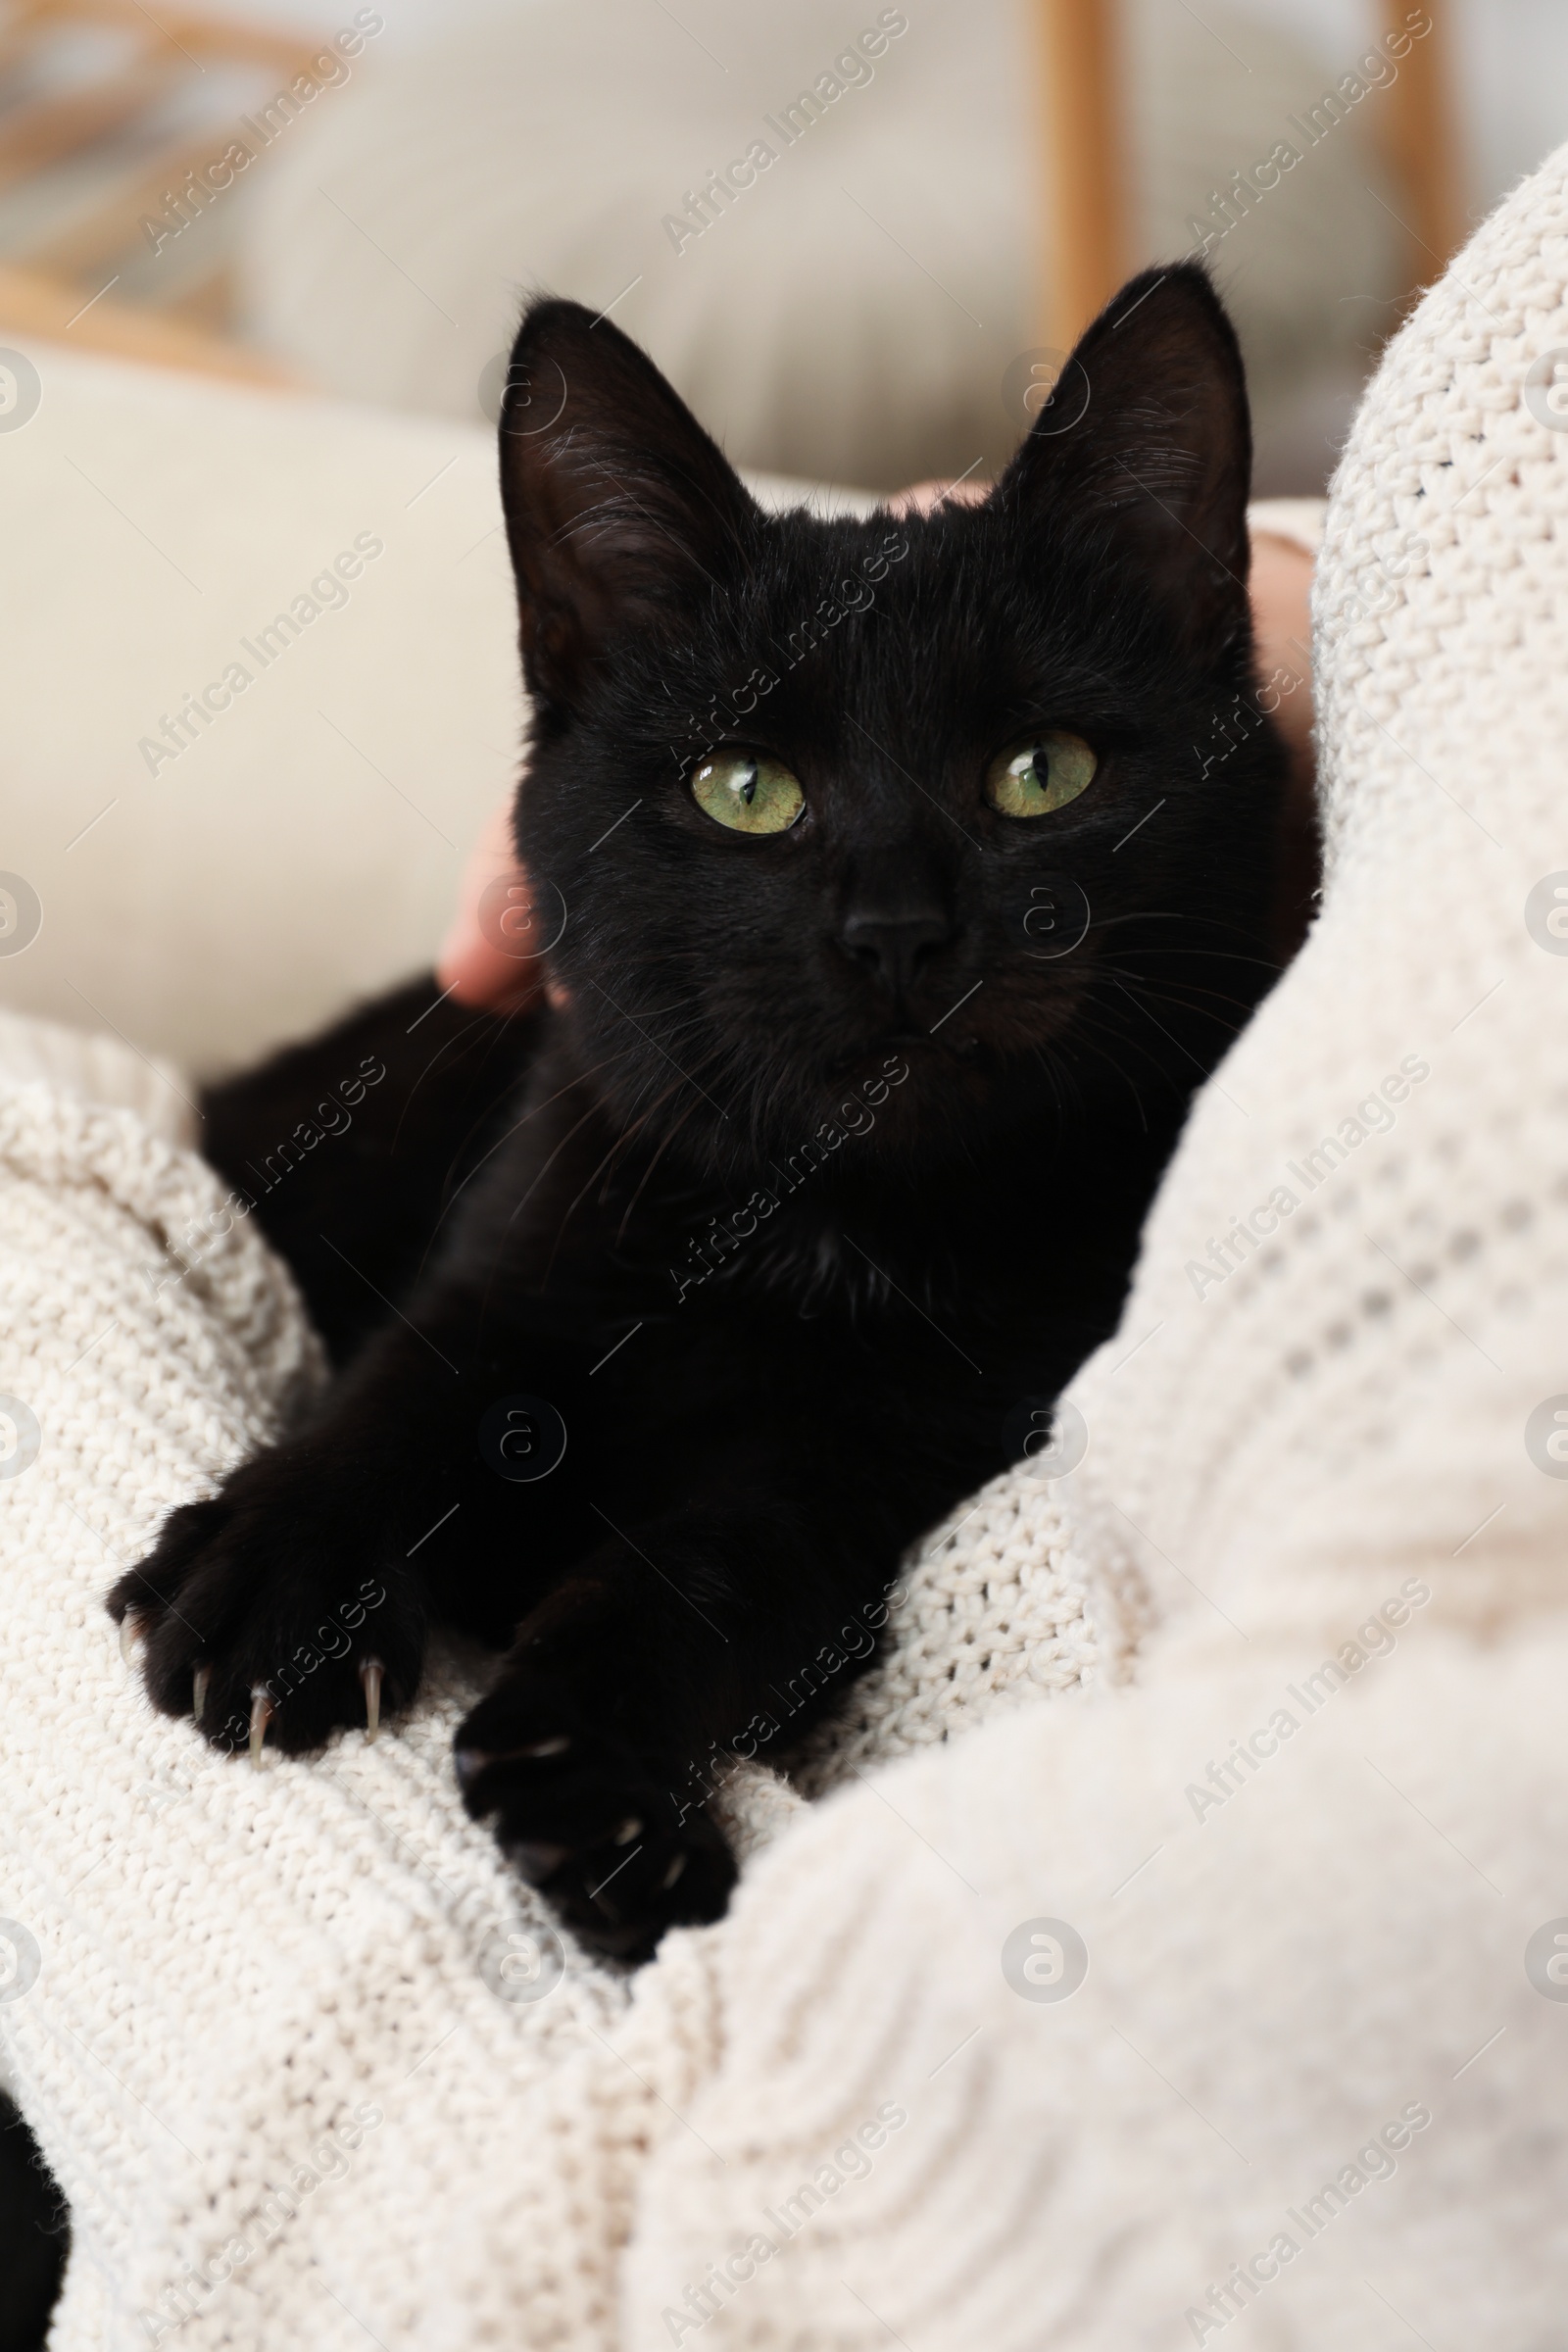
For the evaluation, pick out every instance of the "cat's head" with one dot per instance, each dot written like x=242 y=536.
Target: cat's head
x=986 y=793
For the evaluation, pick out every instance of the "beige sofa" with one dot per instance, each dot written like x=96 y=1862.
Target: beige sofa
x=262 y=690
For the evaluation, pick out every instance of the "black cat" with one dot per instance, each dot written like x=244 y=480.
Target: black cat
x=911 y=874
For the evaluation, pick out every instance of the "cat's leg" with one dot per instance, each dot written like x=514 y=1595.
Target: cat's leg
x=297 y=1598
x=644 y=1669
x=347 y=1145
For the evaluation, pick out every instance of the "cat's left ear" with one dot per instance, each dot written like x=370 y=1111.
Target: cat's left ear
x=621 y=512
x=1147 y=442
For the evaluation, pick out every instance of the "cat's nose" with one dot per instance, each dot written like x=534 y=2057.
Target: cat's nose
x=894 y=947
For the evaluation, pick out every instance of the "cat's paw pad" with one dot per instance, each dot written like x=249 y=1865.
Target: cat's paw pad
x=595 y=1828
x=258 y=1615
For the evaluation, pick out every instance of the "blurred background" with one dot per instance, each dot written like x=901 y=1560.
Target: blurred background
x=260 y=269
x=846 y=312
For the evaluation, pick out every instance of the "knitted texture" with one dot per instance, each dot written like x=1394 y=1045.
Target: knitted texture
x=1384 y=1339
x=994 y=1609
x=96 y=1070
x=902 y=2143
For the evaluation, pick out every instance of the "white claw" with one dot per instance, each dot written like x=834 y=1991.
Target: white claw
x=673 y=1873
x=370 y=1672
x=629 y=1829
x=200 y=1682
x=261 y=1717
x=131 y=1637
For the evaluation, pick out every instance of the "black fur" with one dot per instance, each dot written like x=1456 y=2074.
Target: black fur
x=34 y=2236
x=829 y=1162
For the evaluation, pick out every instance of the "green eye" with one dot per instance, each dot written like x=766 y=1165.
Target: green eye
x=1042 y=773
x=748 y=792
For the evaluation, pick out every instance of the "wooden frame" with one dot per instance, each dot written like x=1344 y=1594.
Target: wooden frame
x=34 y=304
x=1089 y=241
x=1089 y=251
x=61 y=287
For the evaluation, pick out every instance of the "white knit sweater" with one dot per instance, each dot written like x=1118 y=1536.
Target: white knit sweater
x=260 y=2019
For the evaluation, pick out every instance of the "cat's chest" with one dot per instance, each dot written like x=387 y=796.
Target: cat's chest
x=898 y=1276
x=907 y=1271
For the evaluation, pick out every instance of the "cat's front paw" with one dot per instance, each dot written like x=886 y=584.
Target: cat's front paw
x=599 y=1830
x=267 y=1613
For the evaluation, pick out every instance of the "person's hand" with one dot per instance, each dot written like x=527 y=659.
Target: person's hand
x=1282 y=626
x=486 y=960
x=921 y=497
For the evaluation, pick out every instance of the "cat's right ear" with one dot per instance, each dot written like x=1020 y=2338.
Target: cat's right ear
x=621 y=512
x=1146 y=444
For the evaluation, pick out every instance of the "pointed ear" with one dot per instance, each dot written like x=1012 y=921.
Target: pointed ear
x=620 y=510
x=1147 y=442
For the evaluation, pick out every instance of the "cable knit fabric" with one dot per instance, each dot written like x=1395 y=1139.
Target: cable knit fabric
x=1218 y=1996
x=1403 y=1085
x=994 y=1610
x=96 y=1070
